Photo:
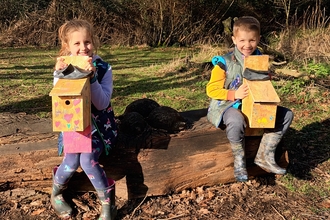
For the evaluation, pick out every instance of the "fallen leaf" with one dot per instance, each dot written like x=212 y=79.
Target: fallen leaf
x=325 y=203
x=38 y=211
x=203 y=211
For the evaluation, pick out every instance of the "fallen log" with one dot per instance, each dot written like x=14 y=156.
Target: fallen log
x=160 y=164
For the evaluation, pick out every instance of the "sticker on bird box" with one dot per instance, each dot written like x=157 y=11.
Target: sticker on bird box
x=78 y=141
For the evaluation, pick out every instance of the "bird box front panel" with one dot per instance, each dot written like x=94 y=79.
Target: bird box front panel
x=70 y=113
x=71 y=105
x=263 y=115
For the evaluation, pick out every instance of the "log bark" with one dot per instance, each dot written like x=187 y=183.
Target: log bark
x=158 y=165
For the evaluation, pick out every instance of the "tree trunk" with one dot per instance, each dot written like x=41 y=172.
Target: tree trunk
x=157 y=165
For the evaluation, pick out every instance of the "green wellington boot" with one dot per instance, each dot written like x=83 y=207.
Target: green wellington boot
x=265 y=157
x=61 y=207
x=240 y=172
x=107 y=197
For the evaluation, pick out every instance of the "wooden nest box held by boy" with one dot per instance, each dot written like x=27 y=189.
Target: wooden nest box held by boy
x=71 y=100
x=260 y=105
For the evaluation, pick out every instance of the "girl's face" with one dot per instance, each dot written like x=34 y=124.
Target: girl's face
x=246 y=41
x=80 y=43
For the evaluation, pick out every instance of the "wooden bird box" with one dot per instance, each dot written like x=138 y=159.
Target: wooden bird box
x=71 y=104
x=79 y=61
x=260 y=105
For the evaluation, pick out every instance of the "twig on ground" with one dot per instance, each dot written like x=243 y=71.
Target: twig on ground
x=138 y=207
x=278 y=212
x=174 y=217
x=321 y=172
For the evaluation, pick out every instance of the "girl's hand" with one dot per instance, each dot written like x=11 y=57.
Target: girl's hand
x=60 y=64
x=242 y=91
x=90 y=67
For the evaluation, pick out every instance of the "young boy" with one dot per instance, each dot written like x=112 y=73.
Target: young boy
x=226 y=91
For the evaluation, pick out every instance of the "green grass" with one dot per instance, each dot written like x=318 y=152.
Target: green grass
x=306 y=97
x=161 y=74
x=150 y=73
x=26 y=78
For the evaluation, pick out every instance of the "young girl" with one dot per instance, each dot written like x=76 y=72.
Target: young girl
x=77 y=39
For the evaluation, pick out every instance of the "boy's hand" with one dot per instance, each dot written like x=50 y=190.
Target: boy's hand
x=242 y=92
x=60 y=64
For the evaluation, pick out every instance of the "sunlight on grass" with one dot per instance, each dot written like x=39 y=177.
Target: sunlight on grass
x=26 y=77
x=163 y=74
x=162 y=77
x=288 y=182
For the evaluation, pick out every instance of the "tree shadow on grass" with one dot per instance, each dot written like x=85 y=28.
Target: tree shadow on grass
x=30 y=106
x=307 y=148
x=182 y=78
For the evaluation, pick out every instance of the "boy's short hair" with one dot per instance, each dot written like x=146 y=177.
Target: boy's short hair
x=246 y=23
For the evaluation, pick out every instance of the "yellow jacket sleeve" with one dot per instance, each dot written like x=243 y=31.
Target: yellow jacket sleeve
x=215 y=87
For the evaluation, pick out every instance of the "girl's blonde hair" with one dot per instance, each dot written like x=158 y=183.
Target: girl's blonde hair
x=246 y=23
x=74 y=25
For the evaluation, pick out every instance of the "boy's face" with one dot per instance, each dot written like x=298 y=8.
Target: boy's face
x=80 y=43
x=246 y=41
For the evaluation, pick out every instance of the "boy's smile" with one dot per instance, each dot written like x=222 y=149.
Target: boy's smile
x=246 y=41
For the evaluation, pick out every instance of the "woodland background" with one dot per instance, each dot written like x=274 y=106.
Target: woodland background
x=171 y=22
